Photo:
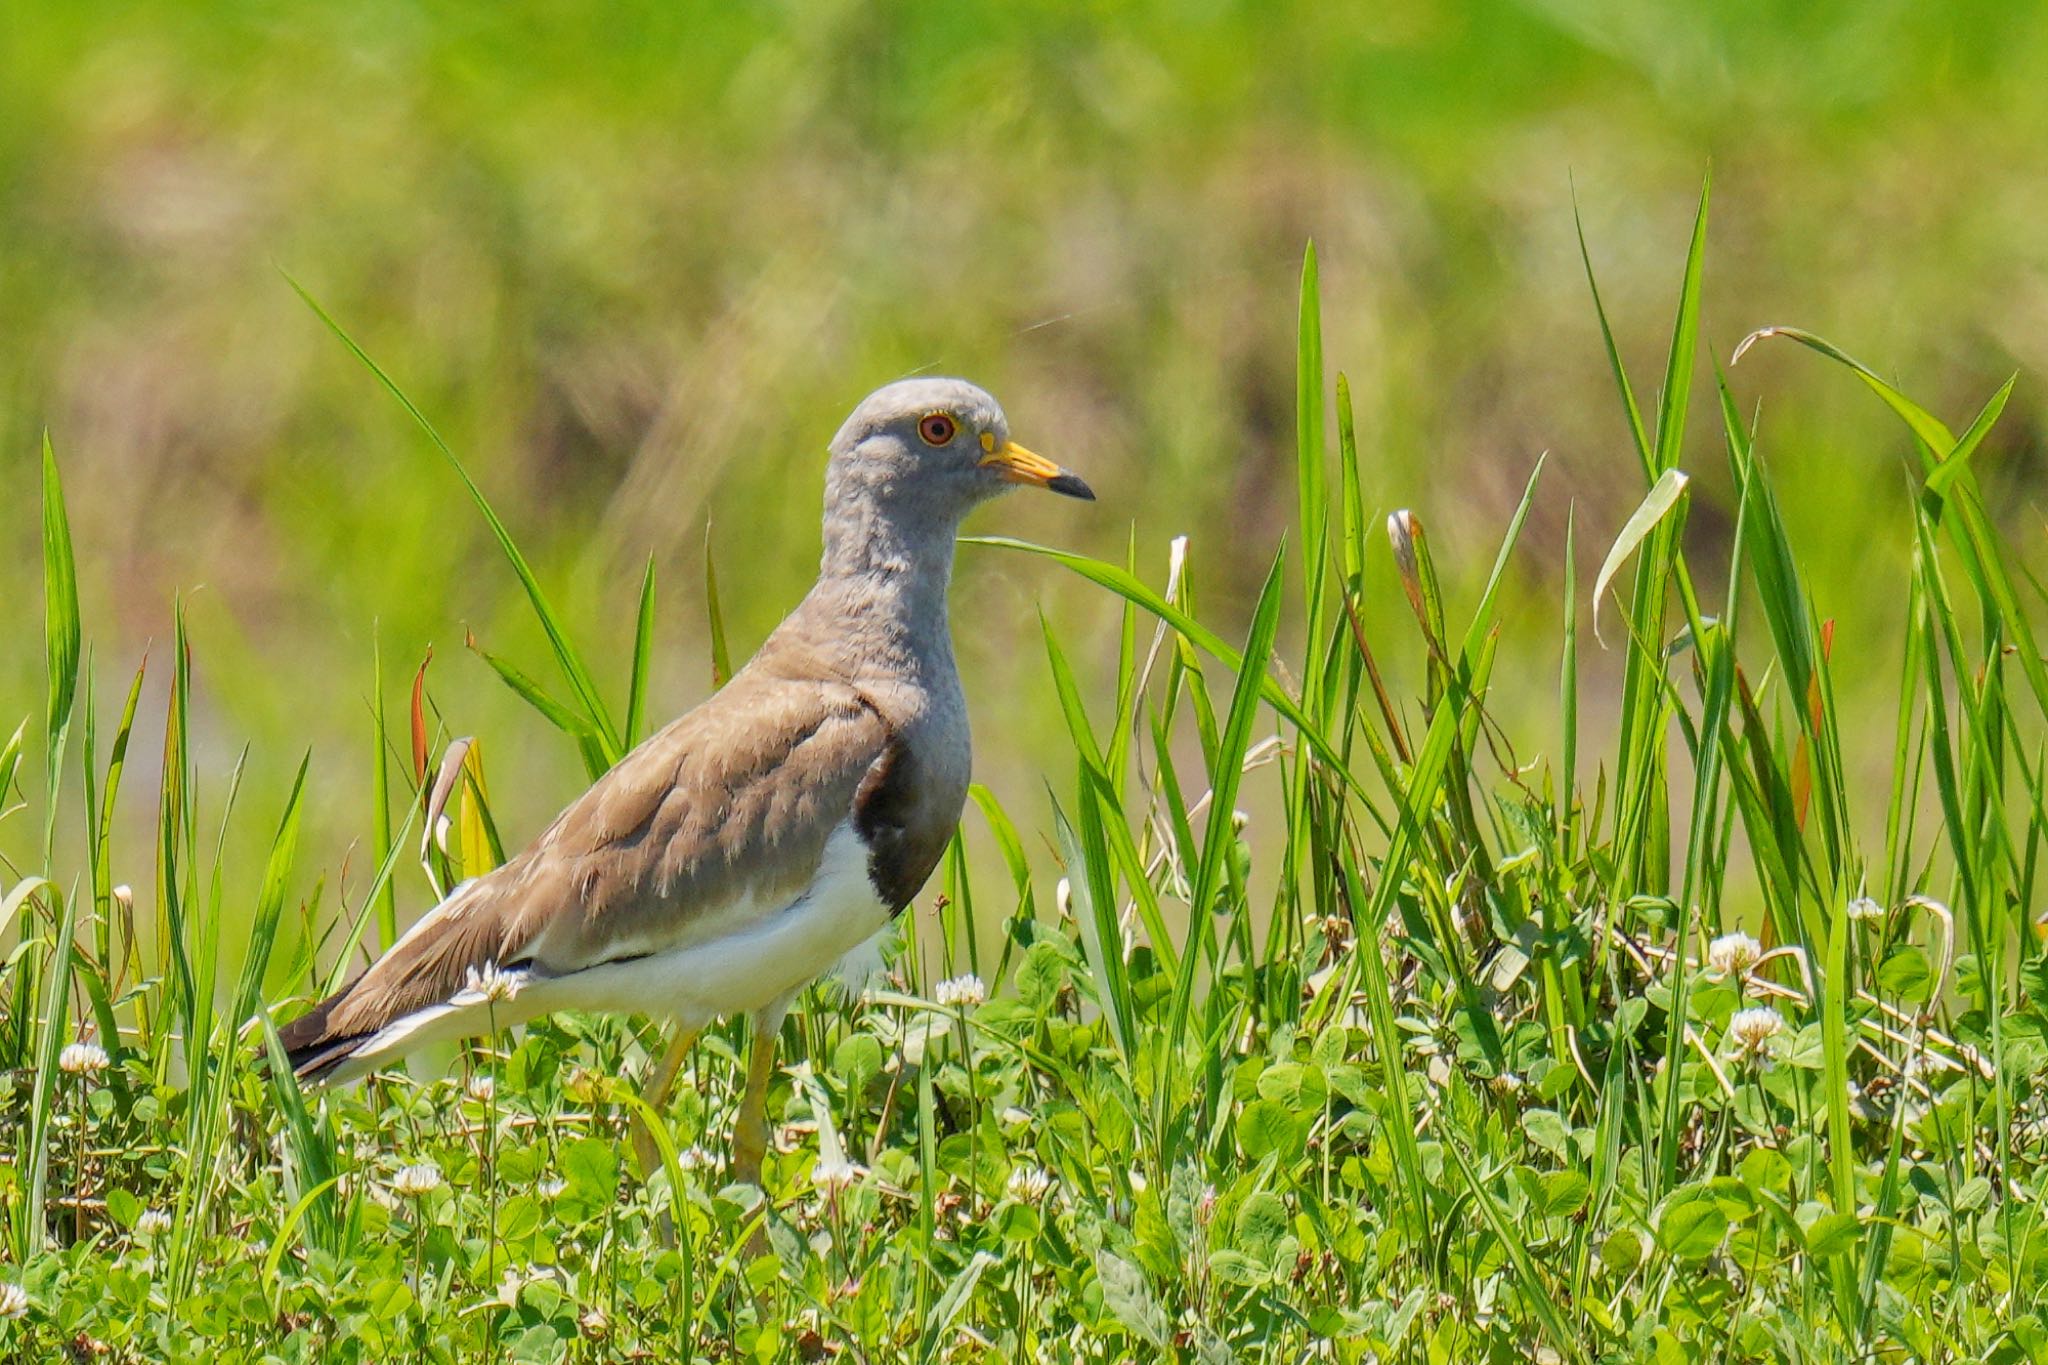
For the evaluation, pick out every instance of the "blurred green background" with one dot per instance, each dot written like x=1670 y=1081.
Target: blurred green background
x=638 y=260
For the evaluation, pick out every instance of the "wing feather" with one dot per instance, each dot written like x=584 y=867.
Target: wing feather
x=726 y=811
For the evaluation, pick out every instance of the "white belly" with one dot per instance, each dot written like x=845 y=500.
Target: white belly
x=742 y=960
x=748 y=966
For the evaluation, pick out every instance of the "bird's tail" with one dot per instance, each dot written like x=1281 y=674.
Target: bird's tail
x=454 y=973
x=311 y=1045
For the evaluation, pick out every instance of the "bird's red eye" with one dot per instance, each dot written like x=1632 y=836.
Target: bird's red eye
x=937 y=428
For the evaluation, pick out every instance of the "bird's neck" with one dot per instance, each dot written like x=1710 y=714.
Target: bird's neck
x=890 y=574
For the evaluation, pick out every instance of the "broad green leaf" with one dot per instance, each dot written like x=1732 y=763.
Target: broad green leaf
x=1268 y=1128
x=593 y=1164
x=1691 y=1228
x=856 y=1061
x=1548 y=1130
x=1130 y=1299
x=1301 y=1088
x=1833 y=1234
x=1261 y=1223
x=1565 y=1192
x=1906 y=977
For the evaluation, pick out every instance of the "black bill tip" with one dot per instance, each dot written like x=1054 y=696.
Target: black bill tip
x=1071 y=485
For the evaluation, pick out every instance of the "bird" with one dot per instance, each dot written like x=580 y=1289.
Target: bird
x=750 y=845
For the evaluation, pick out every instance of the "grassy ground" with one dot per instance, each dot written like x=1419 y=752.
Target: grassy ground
x=1652 y=1031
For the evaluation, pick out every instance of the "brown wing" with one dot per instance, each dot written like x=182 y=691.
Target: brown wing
x=731 y=803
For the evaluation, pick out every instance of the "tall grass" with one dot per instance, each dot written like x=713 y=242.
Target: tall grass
x=1462 y=1044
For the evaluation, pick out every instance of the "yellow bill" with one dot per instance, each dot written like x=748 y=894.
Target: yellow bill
x=1019 y=465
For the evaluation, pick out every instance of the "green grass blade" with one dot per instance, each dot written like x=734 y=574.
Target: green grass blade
x=1568 y=676
x=1535 y=1291
x=1067 y=689
x=60 y=637
x=10 y=760
x=1116 y=763
x=643 y=658
x=51 y=1033
x=16 y=897
x=570 y=723
x=1483 y=622
x=1957 y=462
x=313 y=1170
x=270 y=898
x=1125 y=584
x=721 y=656
x=177 y=845
x=1644 y=451
x=338 y=971
x=1684 y=343
x=1225 y=776
x=102 y=851
x=1093 y=890
x=566 y=657
x=1354 y=526
x=1977 y=544
x=1389 y=1041
x=1010 y=845
x=1311 y=478
x=1925 y=425
x=1649 y=513
x=380 y=778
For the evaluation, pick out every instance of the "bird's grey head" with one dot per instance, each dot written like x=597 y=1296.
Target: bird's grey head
x=930 y=449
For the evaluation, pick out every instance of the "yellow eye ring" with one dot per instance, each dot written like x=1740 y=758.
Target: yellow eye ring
x=937 y=428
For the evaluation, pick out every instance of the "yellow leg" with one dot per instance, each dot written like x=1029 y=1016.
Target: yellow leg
x=750 y=1130
x=655 y=1091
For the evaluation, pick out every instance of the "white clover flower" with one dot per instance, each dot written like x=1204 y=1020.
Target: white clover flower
x=834 y=1176
x=1028 y=1184
x=492 y=982
x=13 y=1300
x=1733 y=954
x=1507 y=1083
x=1864 y=908
x=693 y=1157
x=80 y=1059
x=417 y=1181
x=1750 y=1029
x=152 y=1224
x=515 y=1280
x=551 y=1187
x=482 y=1088
x=594 y=1325
x=1013 y=1117
x=964 y=991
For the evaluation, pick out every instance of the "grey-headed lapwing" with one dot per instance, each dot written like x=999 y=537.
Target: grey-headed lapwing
x=753 y=843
